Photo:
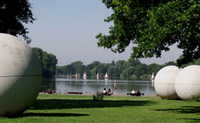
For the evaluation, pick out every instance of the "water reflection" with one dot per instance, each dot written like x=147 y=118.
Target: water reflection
x=62 y=85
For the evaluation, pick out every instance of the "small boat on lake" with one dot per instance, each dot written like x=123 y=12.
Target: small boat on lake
x=152 y=79
x=106 y=76
x=84 y=76
x=97 y=76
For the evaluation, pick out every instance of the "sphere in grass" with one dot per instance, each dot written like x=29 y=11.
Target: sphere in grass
x=20 y=75
x=164 y=82
x=187 y=84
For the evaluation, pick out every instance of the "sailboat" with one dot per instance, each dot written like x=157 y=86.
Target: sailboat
x=106 y=76
x=97 y=76
x=84 y=76
x=67 y=76
x=152 y=79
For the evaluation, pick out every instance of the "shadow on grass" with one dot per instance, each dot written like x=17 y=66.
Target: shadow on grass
x=185 y=110
x=48 y=115
x=51 y=104
x=54 y=114
x=192 y=120
x=66 y=104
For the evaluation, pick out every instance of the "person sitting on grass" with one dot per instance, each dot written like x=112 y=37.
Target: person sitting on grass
x=133 y=92
x=138 y=93
x=109 y=92
x=105 y=91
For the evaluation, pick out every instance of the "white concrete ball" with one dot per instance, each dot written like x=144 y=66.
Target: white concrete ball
x=187 y=84
x=165 y=82
x=20 y=75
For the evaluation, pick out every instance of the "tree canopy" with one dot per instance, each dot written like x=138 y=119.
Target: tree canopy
x=130 y=69
x=13 y=14
x=152 y=26
x=48 y=62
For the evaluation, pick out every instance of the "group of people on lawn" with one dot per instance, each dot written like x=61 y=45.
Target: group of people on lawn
x=133 y=92
x=105 y=92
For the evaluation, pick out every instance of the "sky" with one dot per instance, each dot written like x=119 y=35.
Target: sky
x=67 y=29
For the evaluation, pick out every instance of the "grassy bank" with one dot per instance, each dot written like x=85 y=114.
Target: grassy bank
x=113 y=109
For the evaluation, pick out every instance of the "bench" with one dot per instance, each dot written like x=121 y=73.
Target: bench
x=131 y=94
x=74 y=93
x=135 y=94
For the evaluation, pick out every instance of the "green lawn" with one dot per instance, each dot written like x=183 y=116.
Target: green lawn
x=113 y=109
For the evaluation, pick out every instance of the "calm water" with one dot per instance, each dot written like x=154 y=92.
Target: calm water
x=63 y=85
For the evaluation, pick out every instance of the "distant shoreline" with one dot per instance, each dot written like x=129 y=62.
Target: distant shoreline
x=91 y=94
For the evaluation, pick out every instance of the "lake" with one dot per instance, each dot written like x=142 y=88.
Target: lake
x=89 y=86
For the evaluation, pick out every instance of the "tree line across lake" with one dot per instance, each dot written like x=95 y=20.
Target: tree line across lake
x=132 y=69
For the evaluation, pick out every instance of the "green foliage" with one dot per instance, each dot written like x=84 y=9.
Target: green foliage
x=78 y=66
x=140 y=70
x=113 y=72
x=152 y=26
x=193 y=62
x=128 y=73
x=92 y=66
x=195 y=98
x=153 y=68
x=145 y=76
x=131 y=69
x=169 y=63
x=197 y=62
x=13 y=14
x=48 y=62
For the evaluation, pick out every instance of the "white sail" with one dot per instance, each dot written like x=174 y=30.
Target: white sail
x=84 y=76
x=106 y=76
x=97 y=76
x=152 y=79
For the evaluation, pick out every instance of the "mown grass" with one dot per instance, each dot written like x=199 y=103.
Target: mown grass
x=113 y=109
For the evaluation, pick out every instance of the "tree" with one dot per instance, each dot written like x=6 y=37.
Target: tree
x=128 y=73
x=69 y=69
x=113 y=72
x=152 y=26
x=59 y=71
x=153 y=68
x=120 y=65
x=78 y=66
x=132 y=62
x=197 y=62
x=48 y=62
x=13 y=14
x=140 y=70
x=93 y=73
x=169 y=63
x=91 y=66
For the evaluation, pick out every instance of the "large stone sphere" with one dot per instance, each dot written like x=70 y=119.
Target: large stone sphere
x=164 y=82
x=20 y=75
x=187 y=82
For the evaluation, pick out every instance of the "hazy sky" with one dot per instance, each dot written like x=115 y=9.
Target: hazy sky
x=67 y=29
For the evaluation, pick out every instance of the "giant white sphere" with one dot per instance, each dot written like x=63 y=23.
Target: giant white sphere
x=20 y=75
x=164 y=82
x=187 y=82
